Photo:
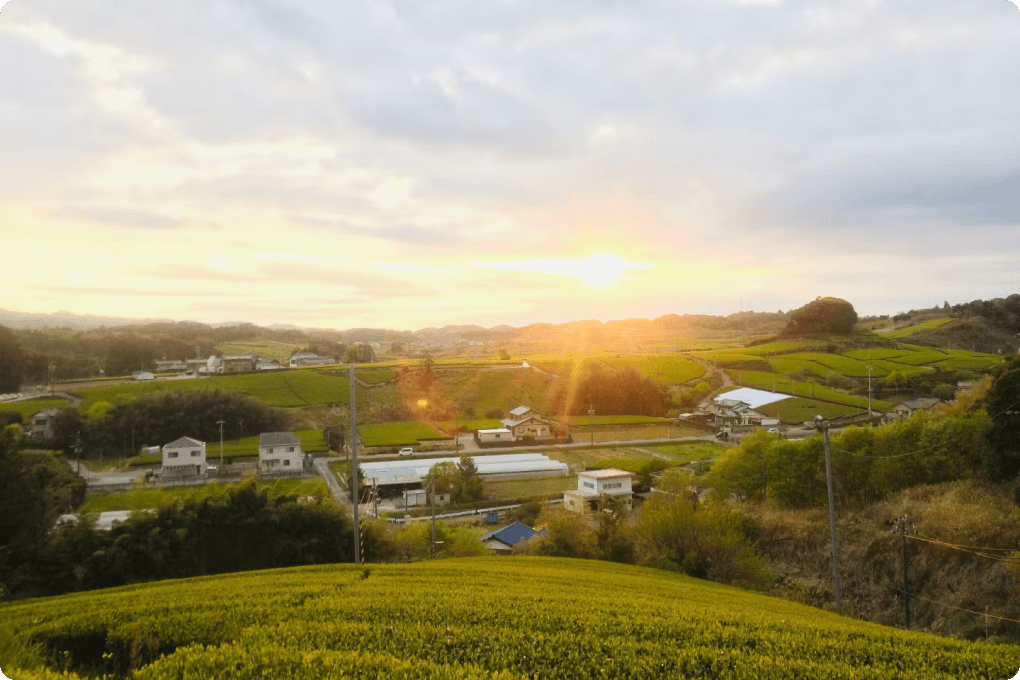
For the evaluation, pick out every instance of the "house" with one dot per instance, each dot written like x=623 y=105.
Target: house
x=525 y=422
x=197 y=366
x=309 y=359
x=906 y=409
x=42 y=424
x=502 y=541
x=593 y=484
x=497 y=435
x=264 y=364
x=237 y=363
x=184 y=457
x=280 y=452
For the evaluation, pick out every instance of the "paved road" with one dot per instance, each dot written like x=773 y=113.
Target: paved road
x=104 y=478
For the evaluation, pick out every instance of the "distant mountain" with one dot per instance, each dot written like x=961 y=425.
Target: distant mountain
x=65 y=319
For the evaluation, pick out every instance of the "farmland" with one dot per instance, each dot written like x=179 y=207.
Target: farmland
x=607 y=420
x=396 y=434
x=29 y=407
x=270 y=349
x=528 y=488
x=288 y=389
x=765 y=381
x=145 y=498
x=800 y=410
x=423 y=620
x=930 y=324
x=671 y=369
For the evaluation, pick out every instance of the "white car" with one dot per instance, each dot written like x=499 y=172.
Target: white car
x=406 y=451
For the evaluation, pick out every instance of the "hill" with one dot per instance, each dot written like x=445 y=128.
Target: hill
x=473 y=618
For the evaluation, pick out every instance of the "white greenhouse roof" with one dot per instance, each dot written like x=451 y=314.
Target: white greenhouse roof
x=752 y=397
x=411 y=471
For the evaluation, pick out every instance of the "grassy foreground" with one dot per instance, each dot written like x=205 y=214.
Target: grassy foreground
x=471 y=618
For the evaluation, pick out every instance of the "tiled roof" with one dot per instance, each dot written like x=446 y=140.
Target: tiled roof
x=278 y=439
x=520 y=410
x=512 y=534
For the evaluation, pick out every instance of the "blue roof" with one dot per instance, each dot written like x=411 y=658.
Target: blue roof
x=512 y=534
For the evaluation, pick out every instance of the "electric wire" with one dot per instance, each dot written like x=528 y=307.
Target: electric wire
x=961 y=609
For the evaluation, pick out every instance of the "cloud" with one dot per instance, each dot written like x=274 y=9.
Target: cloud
x=598 y=270
x=120 y=217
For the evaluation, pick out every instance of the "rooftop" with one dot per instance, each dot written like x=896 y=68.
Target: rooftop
x=752 y=397
x=609 y=473
x=512 y=534
x=278 y=439
x=183 y=442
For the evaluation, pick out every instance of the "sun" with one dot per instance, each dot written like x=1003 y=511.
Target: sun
x=601 y=269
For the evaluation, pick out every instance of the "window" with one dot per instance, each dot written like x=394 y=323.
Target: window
x=195 y=454
x=589 y=485
x=290 y=449
x=286 y=461
x=171 y=454
x=270 y=449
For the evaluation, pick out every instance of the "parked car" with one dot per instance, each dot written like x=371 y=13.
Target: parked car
x=406 y=451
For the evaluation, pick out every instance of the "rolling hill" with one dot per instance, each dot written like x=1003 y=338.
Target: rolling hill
x=470 y=618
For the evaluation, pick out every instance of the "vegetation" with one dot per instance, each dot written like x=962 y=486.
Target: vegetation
x=277 y=388
x=11 y=361
x=281 y=351
x=822 y=316
x=163 y=418
x=766 y=381
x=796 y=410
x=395 y=434
x=26 y=409
x=608 y=420
x=155 y=497
x=911 y=330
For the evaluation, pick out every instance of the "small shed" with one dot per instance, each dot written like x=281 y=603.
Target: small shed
x=502 y=541
x=499 y=434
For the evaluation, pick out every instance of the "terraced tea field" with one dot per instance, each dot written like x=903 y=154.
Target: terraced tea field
x=766 y=381
x=799 y=410
x=397 y=434
x=930 y=324
x=30 y=407
x=437 y=620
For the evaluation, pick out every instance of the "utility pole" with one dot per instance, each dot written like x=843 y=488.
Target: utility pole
x=823 y=425
x=870 y=413
x=591 y=422
x=354 y=465
x=77 y=452
x=375 y=497
x=906 y=566
x=432 y=544
x=220 y=423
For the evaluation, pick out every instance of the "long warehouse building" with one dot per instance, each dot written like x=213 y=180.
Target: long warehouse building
x=507 y=466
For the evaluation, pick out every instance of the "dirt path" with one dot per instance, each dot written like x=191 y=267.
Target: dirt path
x=710 y=369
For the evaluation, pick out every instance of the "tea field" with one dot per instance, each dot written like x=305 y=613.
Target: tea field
x=495 y=618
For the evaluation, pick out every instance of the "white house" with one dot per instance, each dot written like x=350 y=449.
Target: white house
x=42 y=424
x=280 y=452
x=309 y=359
x=184 y=457
x=500 y=434
x=592 y=484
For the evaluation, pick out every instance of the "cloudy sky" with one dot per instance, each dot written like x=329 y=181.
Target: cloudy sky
x=406 y=164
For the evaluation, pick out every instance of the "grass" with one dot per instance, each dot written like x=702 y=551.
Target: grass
x=906 y=369
x=780 y=347
x=686 y=452
x=798 y=410
x=527 y=488
x=843 y=365
x=473 y=424
x=575 y=421
x=270 y=349
x=282 y=388
x=376 y=375
x=30 y=407
x=477 y=392
x=396 y=434
x=614 y=433
x=142 y=499
x=930 y=324
x=788 y=364
x=725 y=357
x=872 y=353
x=670 y=369
x=764 y=381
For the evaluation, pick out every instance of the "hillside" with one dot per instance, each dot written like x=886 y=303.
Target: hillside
x=462 y=619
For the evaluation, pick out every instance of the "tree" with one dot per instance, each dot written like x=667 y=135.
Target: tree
x=444 y=476
x=469 y=485
x=11 y=361
x=1003 y=404
x=896 y=379
x=822 y=315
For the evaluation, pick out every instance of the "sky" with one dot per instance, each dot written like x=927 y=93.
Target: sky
x=407 y=164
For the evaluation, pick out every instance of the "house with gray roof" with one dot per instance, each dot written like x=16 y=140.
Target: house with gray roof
x=280 y=452
x=182 y=458
x=906 y=409
x=502 y=541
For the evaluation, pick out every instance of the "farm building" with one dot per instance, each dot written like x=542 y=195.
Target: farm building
x=592 y=484
x=497 y=435
x=280 y=452
x=164 y=365
x=309 y=359
x=184 y=457
x=524 y=421
x=264 y=364
x=906 y=409
x=237 y=363
x=502 y=541
x=509 y=466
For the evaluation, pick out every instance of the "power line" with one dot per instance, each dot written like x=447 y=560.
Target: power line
x=997 y=558
x=961 y=609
